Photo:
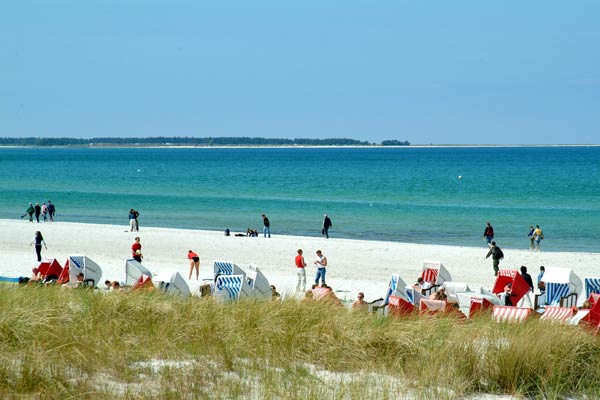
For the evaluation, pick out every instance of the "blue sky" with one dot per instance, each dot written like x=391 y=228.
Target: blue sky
x=424 y=71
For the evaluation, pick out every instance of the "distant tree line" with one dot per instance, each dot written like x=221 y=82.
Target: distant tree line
x=191 y=141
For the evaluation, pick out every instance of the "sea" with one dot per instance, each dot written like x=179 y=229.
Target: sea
x=433 y=195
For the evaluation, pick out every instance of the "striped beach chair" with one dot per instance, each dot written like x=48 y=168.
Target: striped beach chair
x=592 y=285
x=413 y=295
x=226 y=268
x=511 y=314
x=396 y=287
x=558 y=314
x=562 y=287
x=91 y=271
x=229 y=286
x=435 y=273
x=519 y=286
x=473 y=303
x=429 y=307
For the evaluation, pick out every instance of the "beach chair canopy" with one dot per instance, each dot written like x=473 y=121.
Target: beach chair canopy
x=511 y=314
x=50 y=267
x=470 y=303
x=84 y=264
x=435 y=273
x=226 y=268
x=452 y=288
x=592 y=285
x=133 y=271
x=172 y=283
x=396 y=287
x=560 y=282
x=258 y=282
x=519 y=286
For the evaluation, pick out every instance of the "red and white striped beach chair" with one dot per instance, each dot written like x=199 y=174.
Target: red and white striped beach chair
x=593 y=316
x=558 y=314
x=435 y=273
x=429 y=307
x=50 y=267
x=511 y=314
x=143 y=282
x=473 y=303
x=519 y=286
x=398 y=307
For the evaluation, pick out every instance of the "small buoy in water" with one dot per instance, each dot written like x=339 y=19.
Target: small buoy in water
x=139 y=170
x=460 y=177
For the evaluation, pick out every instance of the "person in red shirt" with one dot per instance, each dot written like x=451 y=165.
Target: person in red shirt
x=300 y=266
x=136 y=250
x=194 y=263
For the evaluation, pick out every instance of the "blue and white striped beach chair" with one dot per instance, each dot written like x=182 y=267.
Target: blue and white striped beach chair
x=563 y=287
x=229 y=286
x=592 y=285
x=226 y=268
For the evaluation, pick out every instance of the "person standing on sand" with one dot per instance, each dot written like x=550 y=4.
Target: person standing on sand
x=488 y=233
x=45 y=212
x=194 y=264
x=137 y=220
x=136 y=250
x=38 y=211
x=51 y=210
x=267 y=226
x=30 y=210
x=38 y=239
x=497 y=255
x=326 y=225
x=301 y=271
x=321 y=263
x=131 y=220
x=538 y=235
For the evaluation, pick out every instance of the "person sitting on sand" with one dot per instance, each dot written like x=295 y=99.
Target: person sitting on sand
x=422 y=285
x=116 y=285
x=37 y=275
x=440 y=294
x=107 y=285
x=360 y=303
x=274 y=294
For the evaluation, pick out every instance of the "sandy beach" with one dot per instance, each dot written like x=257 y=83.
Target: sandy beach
x=354 y=265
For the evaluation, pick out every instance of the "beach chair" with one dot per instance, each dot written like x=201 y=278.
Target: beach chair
x=396 y=287
x=592 y=319
x=92 y=273
x=558 y=314
x=510 y=314
x=133 y=271
x=413 y=295
x=473 y=303
x=172 y=283
x=230 y=287
x=50 y=268
x=519 y=286
x=143 y=282
x=435 y=273
x=452 y=288
x=325 y=294
x=399 y=307
x=258 y=283
x=592 y=285
x=562 y=288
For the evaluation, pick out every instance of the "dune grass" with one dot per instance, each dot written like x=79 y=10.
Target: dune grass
x=59 y=344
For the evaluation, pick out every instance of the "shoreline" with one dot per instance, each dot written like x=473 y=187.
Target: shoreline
x=354 y=265
x=373 y=146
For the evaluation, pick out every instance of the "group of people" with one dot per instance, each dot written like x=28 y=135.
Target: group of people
x=134 y=221
x=320 y=263
x=46 y=211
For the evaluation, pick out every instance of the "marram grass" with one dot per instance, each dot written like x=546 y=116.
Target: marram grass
x=79 y=344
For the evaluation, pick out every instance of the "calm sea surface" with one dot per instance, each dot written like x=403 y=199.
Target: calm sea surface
x=398 y=194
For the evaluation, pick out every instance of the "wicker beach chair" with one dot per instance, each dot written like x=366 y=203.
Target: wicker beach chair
x=519 y=286
x=133 y=271
x=473 y=303
x=436 y=274
x=562 y=288
x=92 y=273
x=592 y=285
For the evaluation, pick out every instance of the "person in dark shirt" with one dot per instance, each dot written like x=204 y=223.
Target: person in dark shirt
x=326 y=225
x=267 y=226
x=488 y=233
x=527 y=277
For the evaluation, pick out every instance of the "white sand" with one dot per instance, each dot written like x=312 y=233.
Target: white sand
x=354 y=265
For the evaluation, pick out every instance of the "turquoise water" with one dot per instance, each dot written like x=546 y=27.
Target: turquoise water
x=398 y=194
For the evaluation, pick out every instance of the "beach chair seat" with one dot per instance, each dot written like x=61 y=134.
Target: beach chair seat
x=562 y=288
x=452 y=288
x=579 y=316
x=519 y=286
x=511 y=314
x=398 y=307
x=558 y=314
x=414 y=296
x=229 y=286
x=430 y=307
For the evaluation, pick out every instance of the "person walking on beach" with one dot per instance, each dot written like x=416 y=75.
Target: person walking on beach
x=51 y=210
x=45 y=212
x=538 y=235
x=194 y=264
x=326 y=225
x=321 y=264
x=38 y=239
x=38 y=211
x=530 y=236
x=30 y=210
x=267 y=226
x=497 y=255
x=301 y=272
x=136 y=250
x=131 y=220
x=488 y=233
